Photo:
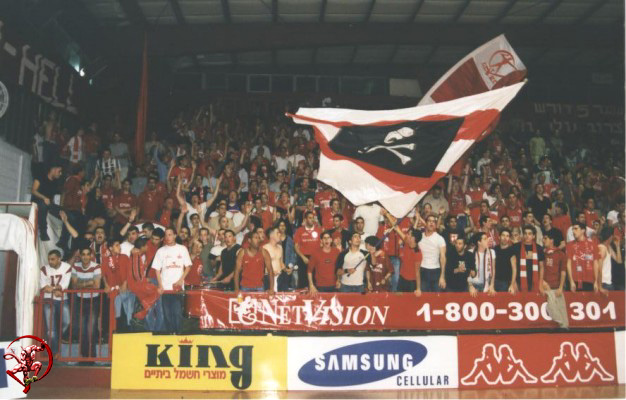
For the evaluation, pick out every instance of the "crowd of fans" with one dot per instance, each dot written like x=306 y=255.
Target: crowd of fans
x=232 y=203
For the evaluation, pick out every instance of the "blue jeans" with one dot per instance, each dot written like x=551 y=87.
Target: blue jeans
x=326 y=289
x=352 y=289
x=172 y=312
x=395 y=262
x=253 y=289
x=89 y=325
x=126 y=301
x=608 y=286
x=501 y=286
x=429 y=280
x=52 y=310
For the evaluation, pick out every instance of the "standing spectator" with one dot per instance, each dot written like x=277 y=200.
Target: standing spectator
x=433 y=250
x=506 y=264
x=561 y=219
x=581 y=218
x=485 y=264
x=76 y=147
x=150 y=201
x=546 y=226
x=537 y=147
x=172 y=264
x=512 y=210
x=252 y=263
x=124 y=203
x=321 y=267
x=538 y=203
x=115 y=269
x=591 y=214
x=307 y=241
x=54 y=278
x=459 y=266
x=552 y=279
x=275 y=252
x=92 y=146
x=119 y=150
x=531 y=258
x=72 y=201
x=108 y=165
x=607 y=253
x=379 y=269
x=436 y=200
x=351 y=264
x=410 y=261
x=228 y=257
x=86 y=275
x=372 y=216
x=529 y=219
x=43 y=191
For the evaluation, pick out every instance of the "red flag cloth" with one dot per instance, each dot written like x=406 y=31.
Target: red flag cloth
x=146 y=292
x=142 y=107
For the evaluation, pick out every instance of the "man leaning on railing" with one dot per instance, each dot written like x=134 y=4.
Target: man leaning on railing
x=54 y=278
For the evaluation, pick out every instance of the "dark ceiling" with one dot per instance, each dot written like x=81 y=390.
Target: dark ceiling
x=342 y=35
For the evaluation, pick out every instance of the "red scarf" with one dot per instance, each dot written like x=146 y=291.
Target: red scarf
x=146 y=292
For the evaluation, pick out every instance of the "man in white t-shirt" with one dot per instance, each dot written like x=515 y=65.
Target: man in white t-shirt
x=171 y=264
x=54 y=278
x=351 y=265
x=372 y=216
x=433 y=248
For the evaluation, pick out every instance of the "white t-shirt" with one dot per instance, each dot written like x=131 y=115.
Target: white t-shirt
x=371 y=216
x=350 y=260
x=171 y=261
x=612 y=217
x=429 y=246
x=61 y=276
x=126 y=247
x=281 y=163
x=481 y=268
x=570 y=233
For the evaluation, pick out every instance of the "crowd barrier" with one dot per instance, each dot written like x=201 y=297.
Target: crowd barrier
x=205 y=362
x=79 y=329
x=398 y=311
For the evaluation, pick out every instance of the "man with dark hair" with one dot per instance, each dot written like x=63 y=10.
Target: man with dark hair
x=307 y=241
x=251 y=265
x=123 y=204
x=86 y=275
x=433 y=250
x=115 y=268
x=529 y=219
x=54 y=278
x=552 y=278
x=531 y=258
x=147 y=292
x=150 y=200
x=583 y=264
x=580 y=218
x=546 y=226
x=228 y=258
x=321 y=268
x=351 y=264
x=512 y=210
x=561 y=219
x=338 y=232
x=459 y=266
x=379 y=269
x=539 y=203
x=506 y=264
x=485 y=264
x=43 y=191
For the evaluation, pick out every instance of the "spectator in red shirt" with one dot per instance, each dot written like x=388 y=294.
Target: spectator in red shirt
x=379 y=269
x=582 y=261
x=150 y=201
x=552 y=278
x=194 y=277
x=328 y=213
x=307 y=241
x=115 y=268
x=183 y=171
x=411 y=260
x=512 y=210
x=591 y=214
x=321 y=267
x=123 y=204
x=561 y=219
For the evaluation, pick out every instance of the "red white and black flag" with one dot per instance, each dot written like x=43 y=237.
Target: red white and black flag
x=395 y=156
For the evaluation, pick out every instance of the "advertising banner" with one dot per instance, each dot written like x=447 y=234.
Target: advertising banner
x=352 y=363
x=198 y=362
x=536 y=360
x=380 y=311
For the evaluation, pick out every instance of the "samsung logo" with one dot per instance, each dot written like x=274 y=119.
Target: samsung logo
x=362 y=363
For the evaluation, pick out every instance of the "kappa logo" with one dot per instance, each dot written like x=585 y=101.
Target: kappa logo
x=498 y=366
x=500 y=64
x=576 y=364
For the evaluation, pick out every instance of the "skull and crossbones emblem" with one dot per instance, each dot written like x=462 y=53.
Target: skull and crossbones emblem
x=390 y=139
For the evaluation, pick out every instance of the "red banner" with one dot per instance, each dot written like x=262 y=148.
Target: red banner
x=383 y=311
x=544 y=359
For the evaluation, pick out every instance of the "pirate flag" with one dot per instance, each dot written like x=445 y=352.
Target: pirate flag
x=395 y=156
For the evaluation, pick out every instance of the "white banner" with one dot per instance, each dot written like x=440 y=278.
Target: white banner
x=9 y=388
x=352 y=363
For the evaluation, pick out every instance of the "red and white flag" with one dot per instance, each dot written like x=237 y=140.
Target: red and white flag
x=395 y=156
x=491 y=66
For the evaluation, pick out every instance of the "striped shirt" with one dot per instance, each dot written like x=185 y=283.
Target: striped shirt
x=85 y=274
x=108 y=167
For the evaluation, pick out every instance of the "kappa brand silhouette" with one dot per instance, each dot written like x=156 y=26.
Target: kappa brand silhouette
x=576 y=365
x=498 y=366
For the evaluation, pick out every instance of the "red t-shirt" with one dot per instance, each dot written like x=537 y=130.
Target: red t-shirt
x=582 y=254
x=515 y=215
x=562 y=223
x=252 y=270
x=555 y=263
x=150 y=202
x=408 y=258
x=194 y=277
x=327 y=219
x=323 y=198
x=183 y=173
x=115 y=268
x=72 y=194
x=391 y=244
x=379 y=270
x=322 y=267
x=266 y=217
x=475 y=195
x=124 y=201
x=590 y=216
x=107 y=197
x=308 y=239
x=457 y=203
x=150 y=253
